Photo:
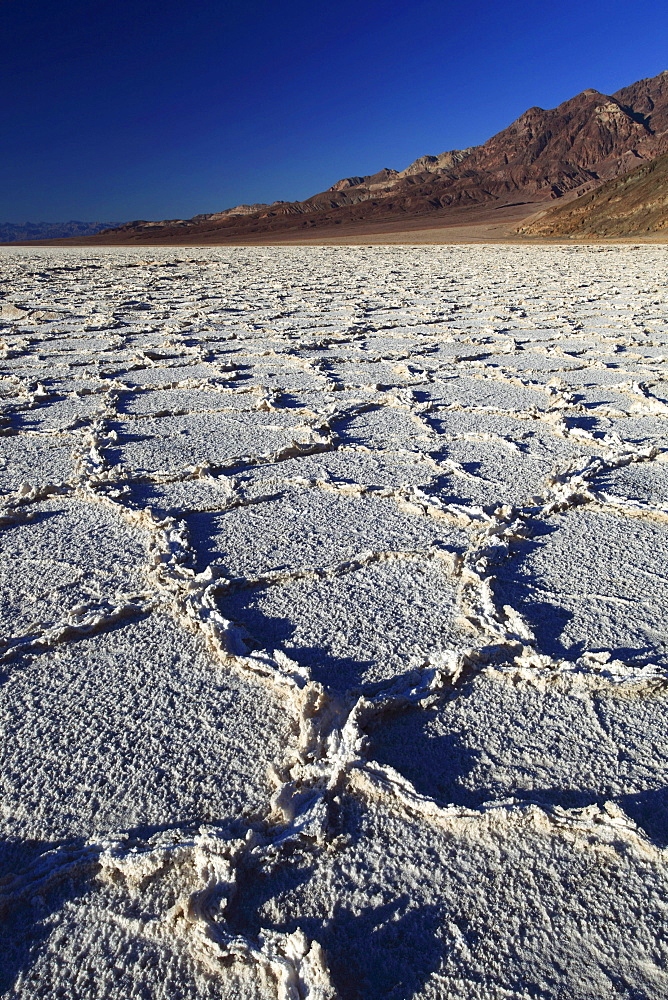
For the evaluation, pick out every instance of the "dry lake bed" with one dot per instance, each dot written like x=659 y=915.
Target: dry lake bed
x=333 y=594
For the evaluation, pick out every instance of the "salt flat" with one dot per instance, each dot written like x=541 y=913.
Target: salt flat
x=333 y=601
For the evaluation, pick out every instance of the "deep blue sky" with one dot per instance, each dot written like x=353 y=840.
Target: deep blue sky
x=124 y=109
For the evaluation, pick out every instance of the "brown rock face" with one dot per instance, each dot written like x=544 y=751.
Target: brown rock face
x=544 y=155
x=635 y=204
x=649 y=99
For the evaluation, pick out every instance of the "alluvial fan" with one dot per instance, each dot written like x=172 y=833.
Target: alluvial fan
x=333 y=597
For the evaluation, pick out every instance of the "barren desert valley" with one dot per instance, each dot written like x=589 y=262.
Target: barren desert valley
x=334 y=594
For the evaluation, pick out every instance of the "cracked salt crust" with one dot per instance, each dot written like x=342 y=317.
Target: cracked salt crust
x=96 y=940
x=646 y=481
x=502 y=395
x=590 y=580
x=386 y=427
x=161 y=377
x=319 y=528
x=505 y=470
x=495 y=740
x=22 y=456
x=334 y=641
x=59 y=415
x=637 y=430
x=445 y=901
x=71 y=554
x=133 y=741
x=203 y=494
x=356 y=627
x=170 y=443
x=168 y=401
x=348 y=466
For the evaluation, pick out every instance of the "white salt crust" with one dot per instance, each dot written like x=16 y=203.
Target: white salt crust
x=333 y=597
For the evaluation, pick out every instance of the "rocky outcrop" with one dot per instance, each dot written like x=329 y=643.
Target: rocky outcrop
x=237 y=210
x=648 y=99
x=434 y=164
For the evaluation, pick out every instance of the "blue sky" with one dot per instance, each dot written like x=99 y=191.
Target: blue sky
x=125 y=109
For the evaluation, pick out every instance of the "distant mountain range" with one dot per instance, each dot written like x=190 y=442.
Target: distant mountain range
x=545 y=156
x=10 y=231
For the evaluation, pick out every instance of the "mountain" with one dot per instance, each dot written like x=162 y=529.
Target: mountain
x=634 y=204
x=544 y=155
x=11 y=232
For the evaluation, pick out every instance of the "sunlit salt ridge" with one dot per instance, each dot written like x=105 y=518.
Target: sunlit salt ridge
x=333 y=596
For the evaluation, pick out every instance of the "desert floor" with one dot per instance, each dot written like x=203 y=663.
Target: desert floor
x=481 y=224
x=333 y=595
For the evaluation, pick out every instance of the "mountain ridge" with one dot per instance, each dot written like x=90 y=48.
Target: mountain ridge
x=545 y=155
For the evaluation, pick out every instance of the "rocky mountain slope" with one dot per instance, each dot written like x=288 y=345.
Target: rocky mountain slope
x=632 y=205
x=10 y=231
x=542 y=156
